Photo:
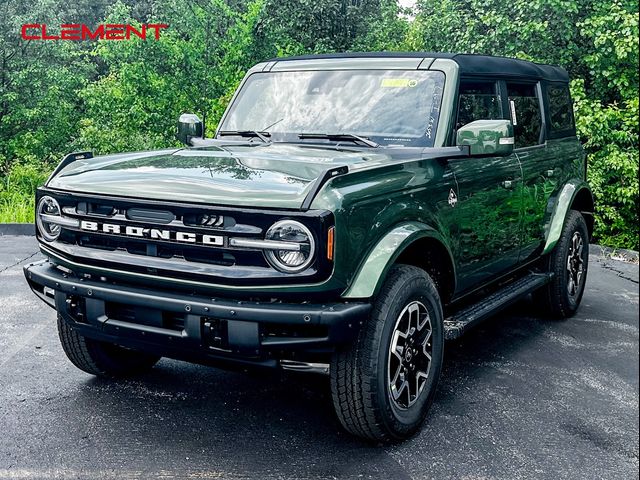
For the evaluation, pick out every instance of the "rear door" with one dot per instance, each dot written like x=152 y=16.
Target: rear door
x=561 y=140
x=541 y=169
x=484 y=218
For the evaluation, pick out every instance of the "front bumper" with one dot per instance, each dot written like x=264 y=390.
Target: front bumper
x=194 y=327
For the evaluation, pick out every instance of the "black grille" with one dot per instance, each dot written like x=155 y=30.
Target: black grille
x=167 y=257
x=123 y=216
x=148 y=248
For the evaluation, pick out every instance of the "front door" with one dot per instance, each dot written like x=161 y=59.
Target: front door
x=487 y=218
x=484 y=220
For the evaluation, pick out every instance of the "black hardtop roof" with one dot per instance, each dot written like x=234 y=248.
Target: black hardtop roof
x=469 y=64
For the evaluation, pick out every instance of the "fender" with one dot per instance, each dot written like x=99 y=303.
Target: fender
x=563 y=203
x=373 y=270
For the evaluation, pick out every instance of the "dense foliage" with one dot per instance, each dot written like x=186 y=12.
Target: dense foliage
x=111 y=96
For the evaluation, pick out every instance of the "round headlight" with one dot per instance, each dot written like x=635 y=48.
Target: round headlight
x=48 y=207
x=301 y=246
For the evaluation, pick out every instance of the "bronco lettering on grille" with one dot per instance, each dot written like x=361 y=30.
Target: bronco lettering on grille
x=153 y=233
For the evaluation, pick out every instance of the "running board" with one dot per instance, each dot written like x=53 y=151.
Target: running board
x=470 y=316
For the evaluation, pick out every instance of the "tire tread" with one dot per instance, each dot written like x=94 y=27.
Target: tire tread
x=551 y=298
x=101 y=359
x=353 y=384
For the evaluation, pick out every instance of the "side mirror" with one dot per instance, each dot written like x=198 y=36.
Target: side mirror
x=189 y=126
x=487 y=137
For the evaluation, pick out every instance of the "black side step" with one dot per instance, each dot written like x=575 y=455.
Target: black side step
x=470 y=316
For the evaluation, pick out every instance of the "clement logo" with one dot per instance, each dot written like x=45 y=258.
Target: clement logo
x=80 y=31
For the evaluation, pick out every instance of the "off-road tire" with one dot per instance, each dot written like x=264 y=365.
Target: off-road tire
x=100 y=358
x=554 y=299
x=359 y=381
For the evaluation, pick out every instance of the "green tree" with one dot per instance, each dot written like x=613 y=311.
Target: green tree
x=38 y=84
x=117 y=96
x=597 y=42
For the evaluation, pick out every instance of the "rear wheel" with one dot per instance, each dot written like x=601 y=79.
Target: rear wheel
x=100 y=358
x=568 y=262
x=384 y=383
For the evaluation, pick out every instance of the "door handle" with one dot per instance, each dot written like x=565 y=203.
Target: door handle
x=507 y=184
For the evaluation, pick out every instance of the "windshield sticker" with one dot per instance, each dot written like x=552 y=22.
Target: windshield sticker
x=398 y=83
x=432 y=122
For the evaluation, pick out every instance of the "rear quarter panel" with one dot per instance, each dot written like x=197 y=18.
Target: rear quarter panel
x=571 y=178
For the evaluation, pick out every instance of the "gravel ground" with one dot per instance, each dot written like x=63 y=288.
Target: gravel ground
x=521 y=397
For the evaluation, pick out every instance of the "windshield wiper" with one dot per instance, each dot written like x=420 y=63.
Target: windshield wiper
x=247 y=133
x=340 y=136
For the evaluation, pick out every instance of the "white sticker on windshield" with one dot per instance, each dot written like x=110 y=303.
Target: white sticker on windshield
x=398 y=83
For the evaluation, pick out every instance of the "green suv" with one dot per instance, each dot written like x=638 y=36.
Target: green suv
x=351 y=214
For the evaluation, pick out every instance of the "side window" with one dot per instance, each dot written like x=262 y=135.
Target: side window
x=560 y=108
x=478 y=101
x=524 y=106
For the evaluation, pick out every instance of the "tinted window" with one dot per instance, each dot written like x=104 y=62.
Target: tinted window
x=478 y=101
x=560 y=109
x=525 y=113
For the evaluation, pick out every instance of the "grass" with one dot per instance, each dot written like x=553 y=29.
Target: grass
x=16 y=208
x=17 y=193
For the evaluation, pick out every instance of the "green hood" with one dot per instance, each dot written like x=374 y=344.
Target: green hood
x=274 y=175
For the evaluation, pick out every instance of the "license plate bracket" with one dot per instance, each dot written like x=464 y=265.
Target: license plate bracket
x=244 y=337
x=235 y=336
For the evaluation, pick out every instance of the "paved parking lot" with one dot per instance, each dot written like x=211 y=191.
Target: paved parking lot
x=521 y=397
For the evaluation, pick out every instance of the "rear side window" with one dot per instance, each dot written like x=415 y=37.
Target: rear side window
x=560 y=108
x=526 y=116
x=478 y=101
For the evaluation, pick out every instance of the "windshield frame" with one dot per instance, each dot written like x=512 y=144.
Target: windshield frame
x=406 y=141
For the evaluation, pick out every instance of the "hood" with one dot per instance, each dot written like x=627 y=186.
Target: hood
x=271 y=175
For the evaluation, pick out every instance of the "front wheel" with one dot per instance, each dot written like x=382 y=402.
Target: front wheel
x=568 y=263
x=384 y=383
x=100 y=358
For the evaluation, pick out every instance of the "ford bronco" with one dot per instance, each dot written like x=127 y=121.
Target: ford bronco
x=351 y=213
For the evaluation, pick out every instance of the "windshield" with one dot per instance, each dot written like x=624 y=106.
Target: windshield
x=390 y=107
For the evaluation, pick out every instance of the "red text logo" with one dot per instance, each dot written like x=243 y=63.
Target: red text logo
x=79 y=31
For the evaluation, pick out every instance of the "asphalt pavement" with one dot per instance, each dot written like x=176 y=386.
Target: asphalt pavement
x=520 y=397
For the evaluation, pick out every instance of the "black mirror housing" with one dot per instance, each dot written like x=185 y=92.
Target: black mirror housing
x=189 y=126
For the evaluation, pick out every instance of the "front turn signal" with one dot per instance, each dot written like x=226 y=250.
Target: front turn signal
x=330 y=234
